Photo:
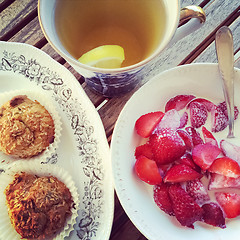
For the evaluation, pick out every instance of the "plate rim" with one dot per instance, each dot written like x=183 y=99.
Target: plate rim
x=34 y=52
x=118 y=124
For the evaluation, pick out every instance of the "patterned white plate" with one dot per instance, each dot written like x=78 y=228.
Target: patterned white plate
x=136 y=197
x=83 y=149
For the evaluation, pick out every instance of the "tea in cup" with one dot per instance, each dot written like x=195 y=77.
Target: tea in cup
x=141 y=28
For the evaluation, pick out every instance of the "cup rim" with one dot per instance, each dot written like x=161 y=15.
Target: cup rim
x=137 y=65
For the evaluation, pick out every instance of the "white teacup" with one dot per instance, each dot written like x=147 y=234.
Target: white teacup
x=114 y=82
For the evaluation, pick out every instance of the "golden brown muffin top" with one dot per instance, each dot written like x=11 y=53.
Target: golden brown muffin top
x=38 y=206
x=26 y=127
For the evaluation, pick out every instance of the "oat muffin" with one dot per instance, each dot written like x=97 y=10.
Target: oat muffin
x=26 y=127
x=38 y=206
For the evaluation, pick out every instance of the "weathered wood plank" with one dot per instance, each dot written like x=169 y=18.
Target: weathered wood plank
x=14 y=13
x=30 y=34
x=209 y=54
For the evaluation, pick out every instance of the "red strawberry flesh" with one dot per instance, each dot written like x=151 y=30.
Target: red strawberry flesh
x=219 y=120
x=183 y=120
x=218 y=181
x=208 y=137
x=178 y=102
x=147 y=170
x=229 y=202
x=144 y=150
x=213 y=215
x=223 y=107
x=208 y=104
x=186 y=210
x=198 y=114
x=167 y=146
x=197 y=191
x=171 y=119
x=146 y=123
x=204 y=155
x=196 y=138
x=225 y=166
x=162 y=199
x=181 y=173
x=186 y=138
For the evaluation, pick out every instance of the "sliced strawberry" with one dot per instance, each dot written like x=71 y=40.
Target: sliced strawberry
x=213 y=215
x=178 y=102
x=171 y=119
x=230 y=150
x=144 y=150
x=183 y=120
x=204 y=155
x=218 y=181
x=229 y=202
x=208 y=104
x=225 y=166
x=223 y=107
x=181 y=173
x=162 y=199
x=208 y=137
x=198 y=114
x=219 y=121
x=167 y=146
x=186 y=138
x=197 y=191
x=186 y=210
x=187 y=159
x=146 y=123
x=147 y=170
x=196 y=138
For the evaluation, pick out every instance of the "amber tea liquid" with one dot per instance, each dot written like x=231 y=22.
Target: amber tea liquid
x=136 y=25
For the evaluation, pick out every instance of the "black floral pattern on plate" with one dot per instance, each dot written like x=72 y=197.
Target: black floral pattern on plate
x=92 y=197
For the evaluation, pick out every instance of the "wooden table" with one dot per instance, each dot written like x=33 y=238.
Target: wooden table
x=19 y=23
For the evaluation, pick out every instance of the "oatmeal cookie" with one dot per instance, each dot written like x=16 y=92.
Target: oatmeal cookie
x=26 y=127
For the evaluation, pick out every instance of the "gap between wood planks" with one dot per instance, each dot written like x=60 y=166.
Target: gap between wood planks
x=5 y=4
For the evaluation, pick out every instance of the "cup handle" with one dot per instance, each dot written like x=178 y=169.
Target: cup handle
x=192 y=11
x=186 y=13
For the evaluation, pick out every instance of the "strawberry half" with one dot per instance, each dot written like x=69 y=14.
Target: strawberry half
x=186 y=138
x=178 y=102
x=181 y=173
x=230 y=150
x=229 y=202
x=147 y=170
x=144 y=150
x=225 y=166
x=187 y=160
x=171 y=119
x=146 y=123
x=198 y=114
x=204 y=155
x=162 y=199
x=197 y=191
x=208 y=137
x=223 y=107
x=186 y=210
x=167 y=146
x=219 y=120
x=218 y=181
x=213 y=215
x=196 y=138
x=183 y=120
x=208 y=104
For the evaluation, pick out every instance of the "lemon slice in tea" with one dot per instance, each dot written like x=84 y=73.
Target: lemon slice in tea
x=106 y=56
